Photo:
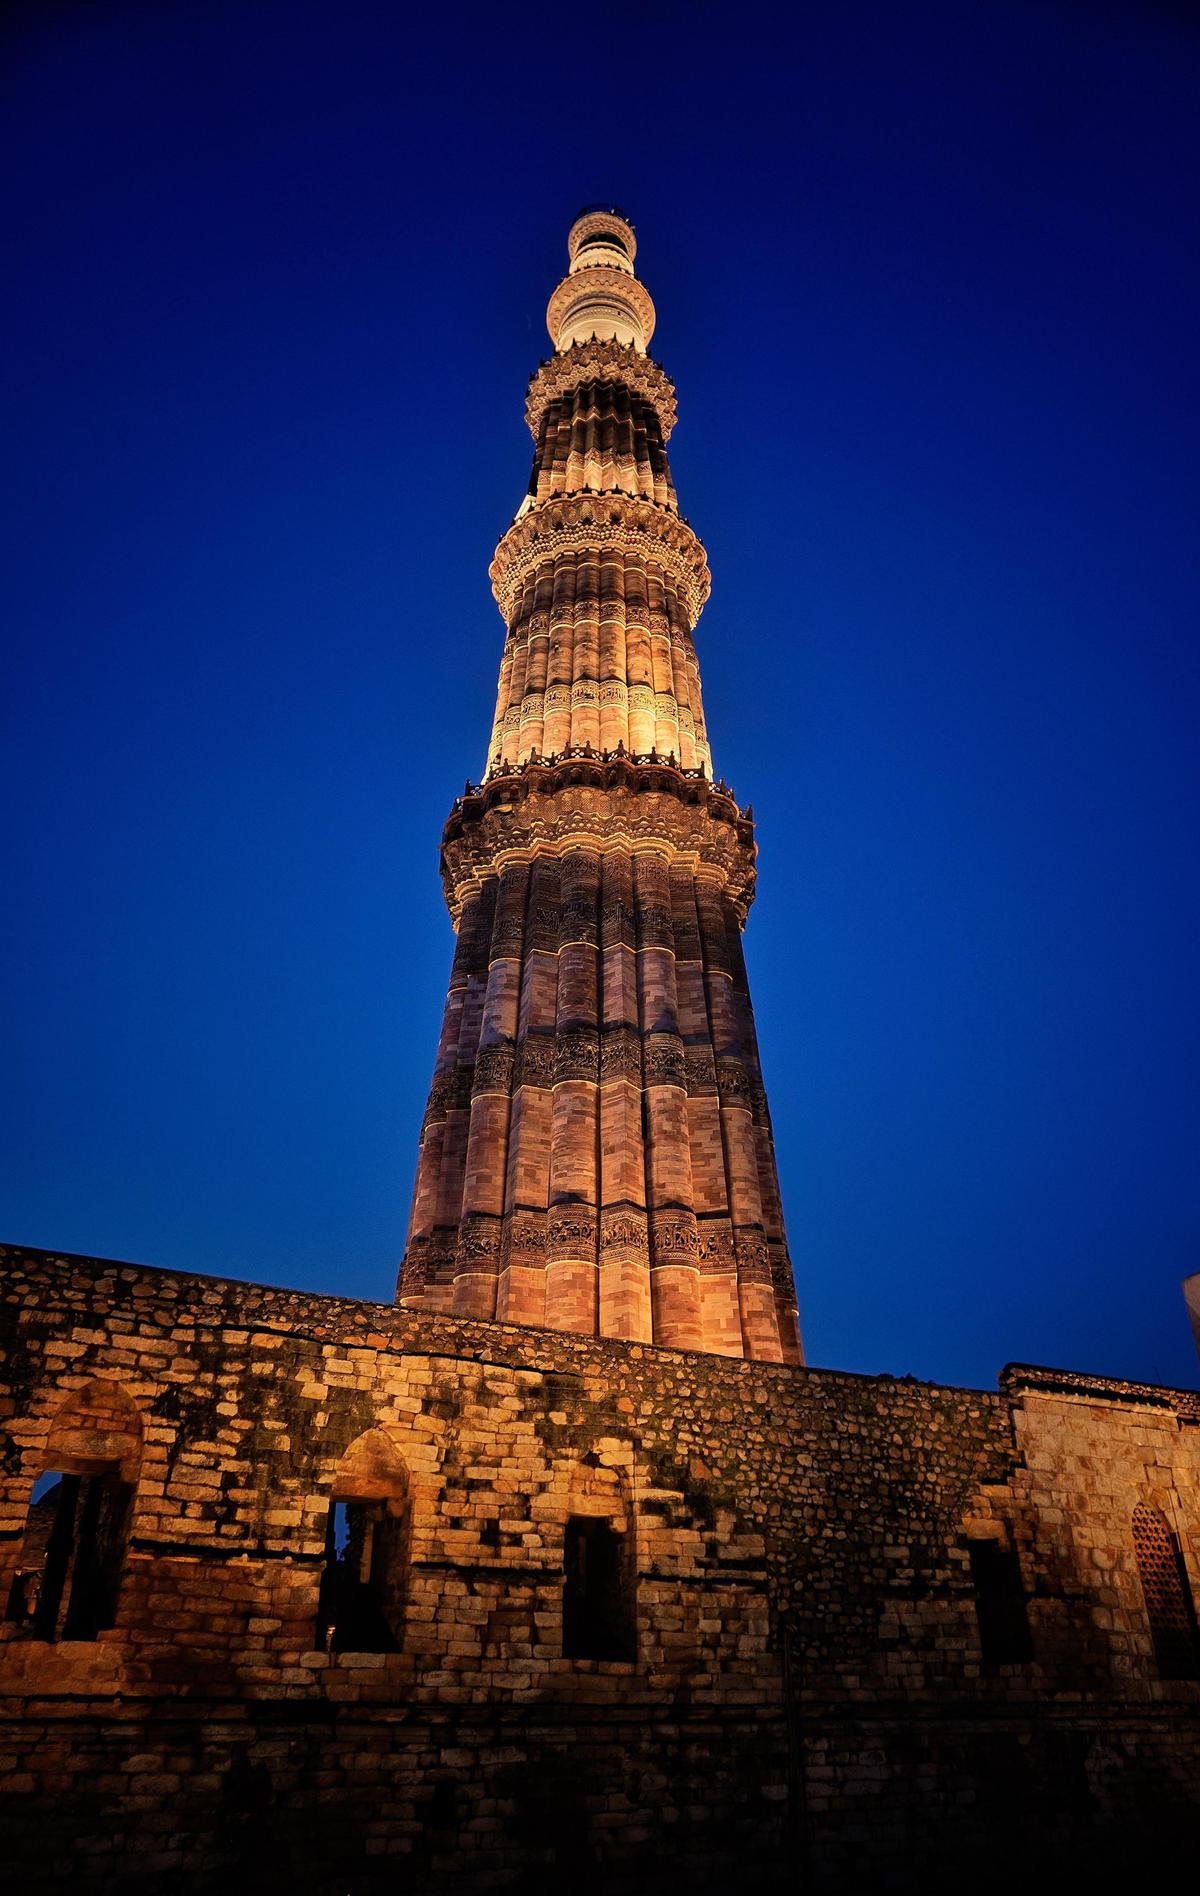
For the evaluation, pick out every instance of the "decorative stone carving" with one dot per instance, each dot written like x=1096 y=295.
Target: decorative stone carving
x=437 y=1260
x=733 y=1083
x=597 y=361
x=782 y=1277
x=508 y=937
x=494 y=1069
x=411 y=1281
x=620 y=1055
x=579 y=923
x=571 y=1234
x=623 y=290
x=662 y=1060
x=523 y=1238
x=543 y=927
x=700 y=1069
x=577 y=1056
x=715 y=1248
x=654 y=926
x=611 y=802
x=479 y=1238
x=572 y=523
x=601 y=222
x=535 y=1061
x=673 y=1237
x=470 y=950
x=753 y=1256
x=450 y=1092
x=617 y=924
x=624 y=1237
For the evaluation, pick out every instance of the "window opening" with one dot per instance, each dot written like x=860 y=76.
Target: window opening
x=598 y=1620
x=1169 y=1604
x=69 y=1574
x=361 y=1595
x=606 y=237
x=1000 y=1603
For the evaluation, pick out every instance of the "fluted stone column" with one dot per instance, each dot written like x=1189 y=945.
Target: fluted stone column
x=597 y=1153
x=624 y=1256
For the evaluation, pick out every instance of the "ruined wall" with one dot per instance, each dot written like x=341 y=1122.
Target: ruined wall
x=808 y=1698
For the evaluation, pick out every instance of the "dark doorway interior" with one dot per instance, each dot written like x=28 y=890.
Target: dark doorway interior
x=67 y=1582
x=598 y=1618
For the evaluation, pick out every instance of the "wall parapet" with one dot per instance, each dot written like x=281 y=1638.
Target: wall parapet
x=1018 y=1379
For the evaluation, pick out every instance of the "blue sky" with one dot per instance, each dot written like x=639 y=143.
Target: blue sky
x=926 y=278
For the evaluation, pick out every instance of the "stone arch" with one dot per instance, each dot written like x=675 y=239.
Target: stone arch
x=599 y=1488
x=98 y=1430
x=372 y=1469
x=364 y=1585
x=1167 y=1594
x=68 y=1574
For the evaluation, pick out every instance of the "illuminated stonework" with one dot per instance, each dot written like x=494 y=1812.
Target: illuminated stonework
x=597 y=1153
x=300 y=1593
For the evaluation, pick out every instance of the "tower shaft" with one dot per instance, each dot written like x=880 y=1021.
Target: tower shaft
x=597 y=1153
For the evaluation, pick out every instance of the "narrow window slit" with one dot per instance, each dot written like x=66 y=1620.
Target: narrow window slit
x=1000 y=1604
x=598 y=1615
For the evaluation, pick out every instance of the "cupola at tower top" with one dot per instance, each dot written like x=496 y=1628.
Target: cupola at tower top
x=602 y=234
x=600 y=297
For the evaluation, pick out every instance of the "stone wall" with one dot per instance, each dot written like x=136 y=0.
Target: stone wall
x=808 y=1702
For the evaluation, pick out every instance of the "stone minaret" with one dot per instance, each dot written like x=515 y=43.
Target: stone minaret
x=597 y=1154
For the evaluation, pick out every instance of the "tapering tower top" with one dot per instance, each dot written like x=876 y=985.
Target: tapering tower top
x=600 y=296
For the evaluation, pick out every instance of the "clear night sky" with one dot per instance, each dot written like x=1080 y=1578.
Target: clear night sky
x=926 y=278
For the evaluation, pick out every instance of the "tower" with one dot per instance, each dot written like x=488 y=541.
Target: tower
x=596 y=1154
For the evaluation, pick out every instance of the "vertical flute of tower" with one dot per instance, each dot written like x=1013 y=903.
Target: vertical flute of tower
x=597 y=1152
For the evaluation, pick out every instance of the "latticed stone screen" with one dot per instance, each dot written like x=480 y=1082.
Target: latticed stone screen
x=1168 y=1596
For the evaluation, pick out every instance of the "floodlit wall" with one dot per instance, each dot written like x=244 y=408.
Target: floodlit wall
x=856 y=1622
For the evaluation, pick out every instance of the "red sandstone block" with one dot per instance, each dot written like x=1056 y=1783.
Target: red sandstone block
x=539 y=989
x=577 y=986
x=657 y=994
x=707 y=1153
